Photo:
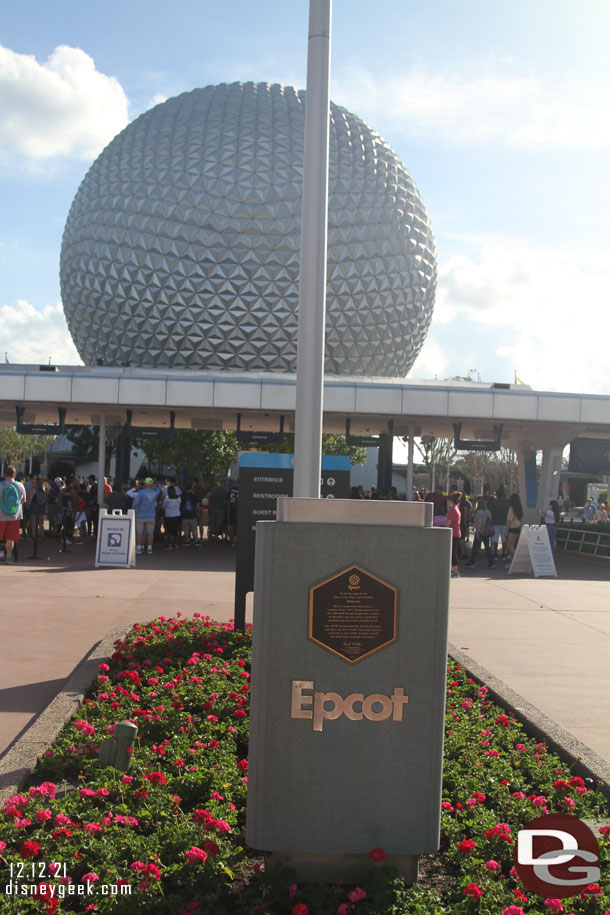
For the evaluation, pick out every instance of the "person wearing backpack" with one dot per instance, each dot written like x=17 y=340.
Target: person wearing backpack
x=482 y=534
x=188 y=510
x=12 y=500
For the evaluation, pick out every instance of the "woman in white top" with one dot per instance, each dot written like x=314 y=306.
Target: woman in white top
x=173 y=521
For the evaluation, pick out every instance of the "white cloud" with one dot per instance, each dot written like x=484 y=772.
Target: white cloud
x=62 y=107
x=497 y=104
x=157 y=99
x=28 y=335
x=537 y=312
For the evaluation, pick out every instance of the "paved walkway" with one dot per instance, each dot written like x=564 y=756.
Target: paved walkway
x=547 y=639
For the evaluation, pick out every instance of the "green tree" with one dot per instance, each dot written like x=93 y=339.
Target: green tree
x=198 y=453
x=16 y=448
x=331 y=444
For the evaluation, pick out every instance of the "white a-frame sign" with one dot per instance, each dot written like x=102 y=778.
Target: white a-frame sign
x=533 y=553
x=116 y=539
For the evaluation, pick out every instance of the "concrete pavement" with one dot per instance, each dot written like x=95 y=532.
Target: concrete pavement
x=546 y=639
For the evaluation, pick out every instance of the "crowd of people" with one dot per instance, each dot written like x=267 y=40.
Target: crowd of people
x=491 y=522
x=596 y=513
x=33 y=508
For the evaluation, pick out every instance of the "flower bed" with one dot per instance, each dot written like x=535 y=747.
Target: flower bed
x=171 y=831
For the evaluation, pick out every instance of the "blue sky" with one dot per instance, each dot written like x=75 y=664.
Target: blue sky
x=500 y=111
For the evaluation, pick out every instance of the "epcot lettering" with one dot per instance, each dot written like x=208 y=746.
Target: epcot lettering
x=314 y=707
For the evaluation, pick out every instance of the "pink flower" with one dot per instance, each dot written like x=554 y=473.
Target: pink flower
x=41 y=816
x=513 y=910
x=344 y=909
x=85 y=727
x=89 y=878
x=356 y=895
x=377 y=855
x=293 y=890
x=539 y=801
x=519 y=795
x=195 y=855
x=492 y=865
x=44 y=790
x=555 y=905
x=242 y=765
x=447 y=806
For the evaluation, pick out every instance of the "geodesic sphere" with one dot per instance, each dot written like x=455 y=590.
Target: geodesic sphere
x=181 y=247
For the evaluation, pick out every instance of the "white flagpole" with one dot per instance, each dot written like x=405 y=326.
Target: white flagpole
x=312 y=281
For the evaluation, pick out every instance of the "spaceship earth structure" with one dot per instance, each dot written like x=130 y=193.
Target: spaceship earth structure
x=181 y=248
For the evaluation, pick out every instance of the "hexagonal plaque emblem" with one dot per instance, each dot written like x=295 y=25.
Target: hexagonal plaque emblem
x=353 y=614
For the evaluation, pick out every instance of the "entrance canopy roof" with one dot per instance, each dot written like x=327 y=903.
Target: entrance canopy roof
x=160 y=398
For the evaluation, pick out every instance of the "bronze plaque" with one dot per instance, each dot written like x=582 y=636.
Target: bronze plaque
x=353 y=614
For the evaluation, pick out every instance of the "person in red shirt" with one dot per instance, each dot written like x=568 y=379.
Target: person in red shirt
x=454 y=521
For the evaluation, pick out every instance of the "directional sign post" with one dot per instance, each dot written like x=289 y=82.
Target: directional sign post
x=263 y=478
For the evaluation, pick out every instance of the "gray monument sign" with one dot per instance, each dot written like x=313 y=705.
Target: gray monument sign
x=348 y=685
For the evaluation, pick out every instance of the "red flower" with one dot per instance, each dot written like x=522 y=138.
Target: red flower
x=377 y=855
x=561 y=785
x=242 y=765
x=300 y=909
x=30 y=849
x=473 y=890
x=466 y=846
x=503 y=719
x=501 y=832
x=156 y=778
x=593 y=889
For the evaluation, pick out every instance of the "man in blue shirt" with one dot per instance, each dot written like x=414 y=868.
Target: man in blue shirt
x=145 y=504
x=589 y=510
